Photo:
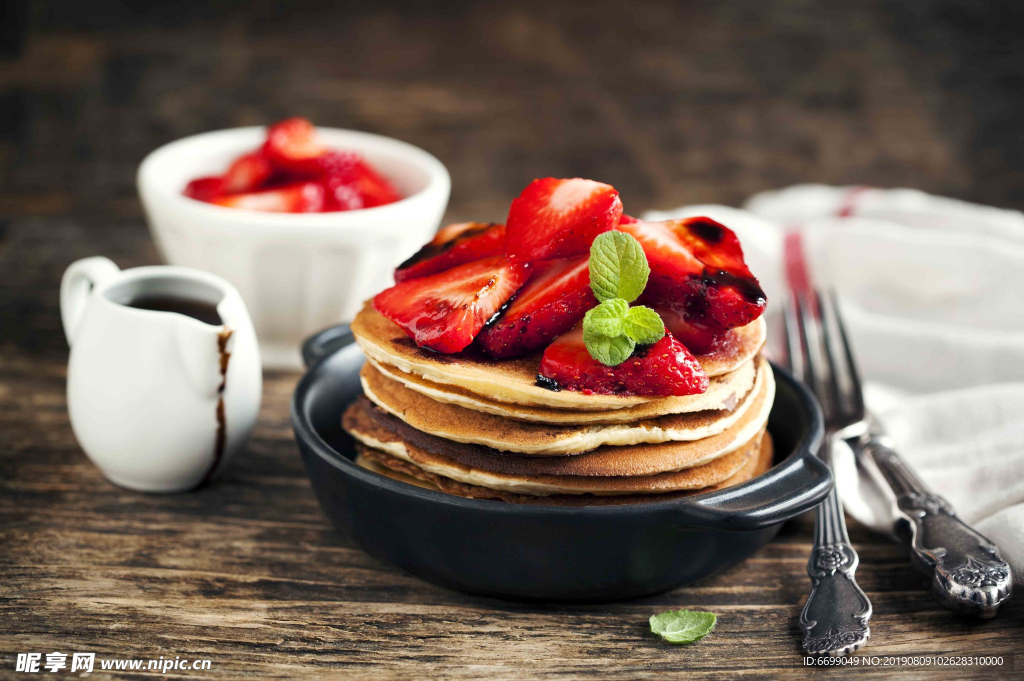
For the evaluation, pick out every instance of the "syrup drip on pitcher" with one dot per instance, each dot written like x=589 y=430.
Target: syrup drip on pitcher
x=221 y=439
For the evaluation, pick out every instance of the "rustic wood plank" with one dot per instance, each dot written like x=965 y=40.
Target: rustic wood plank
x=670 y=102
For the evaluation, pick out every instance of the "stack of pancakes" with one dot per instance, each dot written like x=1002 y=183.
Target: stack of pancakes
x=476 y=427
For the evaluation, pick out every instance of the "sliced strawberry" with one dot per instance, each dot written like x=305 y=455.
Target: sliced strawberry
x=672 y=262
x=712 y=243
x=445 y=311
x=555 y=218
x=303 y=197
x=375 y=189
x=247 y=173
x=699 y=337
x=204 y=188
x=292 y=145
x=660 y=370
x=340 y=195
x=454 y=245
x=697 y=265
x=731 y=300
x=343 y=165
x=338 y=169
x=556 y=297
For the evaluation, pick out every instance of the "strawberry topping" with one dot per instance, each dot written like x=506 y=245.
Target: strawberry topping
x=303 y=197
x=555 y=218
x=454 y=245
x=445 y=311
x=663 y=369
x=556 y=297
x=699 y=337
x=697 y=268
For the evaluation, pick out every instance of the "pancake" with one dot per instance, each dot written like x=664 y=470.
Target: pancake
x=699 y=477
x=514 y=380
x=460 y=424
x=376 y=428
x=633 y=469
x=724 y=392
x=371 y=464
x=403 y=471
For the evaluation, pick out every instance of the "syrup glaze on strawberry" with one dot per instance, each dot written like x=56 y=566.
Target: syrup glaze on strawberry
x=454 y=245
x=662 y=369
x=445 y=311
x=699 y=281
x=556 y=297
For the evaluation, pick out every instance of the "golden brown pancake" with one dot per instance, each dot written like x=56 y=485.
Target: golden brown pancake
x=633 y=469
x=403 y=471
x=724 y=392
x=393 y=473
x=514 y=380
x=460 y=424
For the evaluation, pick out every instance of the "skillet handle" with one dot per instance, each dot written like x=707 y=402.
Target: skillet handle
x=746 y=507
x=325 y=342
x=806 y=479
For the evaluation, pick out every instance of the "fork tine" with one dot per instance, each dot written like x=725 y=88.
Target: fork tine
x=809 y=340
x=831 y=355
x=856 y=395
x=791 y=325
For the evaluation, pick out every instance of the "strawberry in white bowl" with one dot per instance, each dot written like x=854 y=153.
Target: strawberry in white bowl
x=298 y=269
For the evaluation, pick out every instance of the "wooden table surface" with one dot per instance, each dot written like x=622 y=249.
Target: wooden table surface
x=672 y=102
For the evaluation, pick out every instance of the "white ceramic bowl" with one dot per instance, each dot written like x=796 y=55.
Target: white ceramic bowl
x=297 y=273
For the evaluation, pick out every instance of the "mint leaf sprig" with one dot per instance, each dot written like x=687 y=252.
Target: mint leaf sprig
x=683 y=626
x=618 y=275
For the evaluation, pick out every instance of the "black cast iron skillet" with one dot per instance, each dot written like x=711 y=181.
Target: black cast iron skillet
x=553 y=553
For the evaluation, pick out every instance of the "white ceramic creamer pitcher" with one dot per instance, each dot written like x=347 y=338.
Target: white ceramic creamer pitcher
x=164 y=379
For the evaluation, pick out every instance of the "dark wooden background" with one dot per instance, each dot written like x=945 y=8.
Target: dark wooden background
x=672 y=102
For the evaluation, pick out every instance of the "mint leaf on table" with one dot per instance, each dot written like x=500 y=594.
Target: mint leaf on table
x=618 y=267
x=643 y=325
x=683 y=626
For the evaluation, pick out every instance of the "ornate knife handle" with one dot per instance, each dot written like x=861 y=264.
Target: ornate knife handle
x=835 y=617
x=967 y=573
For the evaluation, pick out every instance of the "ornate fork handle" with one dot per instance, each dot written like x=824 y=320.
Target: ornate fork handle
x=967 y=573
x=835 y=618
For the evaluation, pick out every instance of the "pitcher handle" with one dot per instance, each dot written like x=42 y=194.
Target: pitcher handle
x=77 y=284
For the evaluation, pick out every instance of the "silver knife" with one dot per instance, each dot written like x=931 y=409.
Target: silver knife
x=966 y=572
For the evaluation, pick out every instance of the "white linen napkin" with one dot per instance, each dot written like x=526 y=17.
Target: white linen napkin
x=932 y=292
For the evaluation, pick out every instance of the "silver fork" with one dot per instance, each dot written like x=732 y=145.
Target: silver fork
x=965 y=570
x=835 y=617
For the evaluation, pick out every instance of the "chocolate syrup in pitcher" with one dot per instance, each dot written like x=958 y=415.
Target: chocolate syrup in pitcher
x=196 y=309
